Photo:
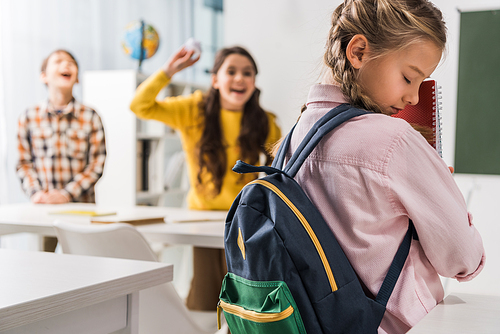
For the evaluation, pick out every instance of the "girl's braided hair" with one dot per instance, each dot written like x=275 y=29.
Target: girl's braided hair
x=388 y=25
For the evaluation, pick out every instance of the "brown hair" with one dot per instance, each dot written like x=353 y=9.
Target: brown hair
x=253 y=132
x=46 y=60
x=388 y=25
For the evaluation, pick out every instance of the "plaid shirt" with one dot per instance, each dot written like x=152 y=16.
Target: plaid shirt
x=62 y=149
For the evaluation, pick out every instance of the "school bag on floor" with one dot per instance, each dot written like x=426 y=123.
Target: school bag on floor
x=286 y=271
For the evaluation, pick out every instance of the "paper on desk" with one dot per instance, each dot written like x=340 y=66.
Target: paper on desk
x=89 y=213
x=196 y=216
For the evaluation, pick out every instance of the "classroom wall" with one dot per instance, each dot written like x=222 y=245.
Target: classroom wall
x=287 y=38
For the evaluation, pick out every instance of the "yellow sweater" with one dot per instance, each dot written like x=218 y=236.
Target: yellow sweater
x=182 y=114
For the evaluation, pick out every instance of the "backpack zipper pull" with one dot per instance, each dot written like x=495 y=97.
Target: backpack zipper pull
x=219 y=309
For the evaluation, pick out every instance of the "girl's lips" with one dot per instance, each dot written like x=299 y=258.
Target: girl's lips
x=239 y=91
x=395 y=110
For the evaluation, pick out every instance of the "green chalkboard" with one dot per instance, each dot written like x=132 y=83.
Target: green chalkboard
x=477 y=145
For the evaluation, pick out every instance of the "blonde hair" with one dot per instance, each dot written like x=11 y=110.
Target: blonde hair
x=388 y=25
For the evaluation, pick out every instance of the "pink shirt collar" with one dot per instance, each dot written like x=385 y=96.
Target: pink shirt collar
x=325 y=93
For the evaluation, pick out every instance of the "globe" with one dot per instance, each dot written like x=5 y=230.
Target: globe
x=135 y=35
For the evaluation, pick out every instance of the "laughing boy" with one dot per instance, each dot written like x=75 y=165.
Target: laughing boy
x=60 y=141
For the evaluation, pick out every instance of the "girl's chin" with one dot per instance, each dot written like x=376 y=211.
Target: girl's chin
x=239 y=99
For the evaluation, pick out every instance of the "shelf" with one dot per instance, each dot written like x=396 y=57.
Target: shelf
x=148 y=136
x=146 y=195
x=140 y=152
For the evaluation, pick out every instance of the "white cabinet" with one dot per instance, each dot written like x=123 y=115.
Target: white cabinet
x=144 y=163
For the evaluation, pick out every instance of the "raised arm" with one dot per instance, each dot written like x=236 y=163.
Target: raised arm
x=180 y=60
x=144 y=103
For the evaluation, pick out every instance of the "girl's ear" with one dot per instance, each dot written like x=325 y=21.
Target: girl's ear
x=214 y=81
x=357 y=51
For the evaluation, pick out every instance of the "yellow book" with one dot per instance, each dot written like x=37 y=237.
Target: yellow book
x=89 y=213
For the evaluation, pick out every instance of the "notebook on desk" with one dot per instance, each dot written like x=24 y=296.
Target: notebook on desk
x=425 y=116
x=133 y=219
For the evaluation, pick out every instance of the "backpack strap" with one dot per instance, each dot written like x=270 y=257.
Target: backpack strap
x=279 y=159
x=323 y=126
x=280 y=156
x=243 y=167
x=396 y=267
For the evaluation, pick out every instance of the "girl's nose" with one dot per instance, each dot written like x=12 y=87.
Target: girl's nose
x=412 y=97
x=238 y=77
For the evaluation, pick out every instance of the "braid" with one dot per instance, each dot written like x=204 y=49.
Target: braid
x=335 y=57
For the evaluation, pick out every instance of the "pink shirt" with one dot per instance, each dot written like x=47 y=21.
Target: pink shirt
x=367 y=177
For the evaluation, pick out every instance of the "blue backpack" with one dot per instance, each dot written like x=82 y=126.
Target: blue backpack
x=286 y=271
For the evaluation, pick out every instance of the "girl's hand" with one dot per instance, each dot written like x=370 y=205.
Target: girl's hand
x=179 y=61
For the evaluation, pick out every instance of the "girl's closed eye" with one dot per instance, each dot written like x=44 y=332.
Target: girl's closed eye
x=407 y=80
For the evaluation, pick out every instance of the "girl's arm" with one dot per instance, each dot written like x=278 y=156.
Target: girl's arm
x=426 y=191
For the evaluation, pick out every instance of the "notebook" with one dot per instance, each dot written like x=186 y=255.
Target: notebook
x=130 y=218
x=425 y=116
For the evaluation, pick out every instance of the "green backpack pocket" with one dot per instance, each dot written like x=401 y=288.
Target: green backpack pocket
x=268 y=307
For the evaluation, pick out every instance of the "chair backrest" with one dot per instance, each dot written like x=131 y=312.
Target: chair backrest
x=116 y=240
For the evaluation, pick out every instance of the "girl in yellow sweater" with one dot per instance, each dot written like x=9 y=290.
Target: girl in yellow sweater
x=216 y=129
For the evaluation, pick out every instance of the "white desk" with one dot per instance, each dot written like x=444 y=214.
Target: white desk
x=58 y=293
x=202 y=234
x=462 y=313
x=193 y=230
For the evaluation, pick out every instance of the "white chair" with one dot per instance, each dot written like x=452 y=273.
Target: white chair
x=161 y=310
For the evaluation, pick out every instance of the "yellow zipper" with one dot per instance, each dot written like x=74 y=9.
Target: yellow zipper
x=252 y=315
x=306 y=225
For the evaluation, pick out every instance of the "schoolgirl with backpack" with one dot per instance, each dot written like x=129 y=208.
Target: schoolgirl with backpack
x=386 y=198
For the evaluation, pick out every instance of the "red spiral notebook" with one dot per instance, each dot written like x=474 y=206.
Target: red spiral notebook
x=426 y=114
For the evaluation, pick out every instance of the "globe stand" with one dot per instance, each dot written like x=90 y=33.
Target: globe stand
x=141 y=54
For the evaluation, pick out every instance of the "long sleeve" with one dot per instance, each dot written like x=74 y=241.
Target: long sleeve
x=429 y=195
x=25 y=168
x=96 y=156
x=176 y=111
